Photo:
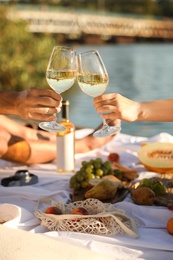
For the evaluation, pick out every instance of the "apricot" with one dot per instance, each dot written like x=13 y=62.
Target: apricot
x=79 y=211
x=53 y=210
x=113 y=157
x=169 y=226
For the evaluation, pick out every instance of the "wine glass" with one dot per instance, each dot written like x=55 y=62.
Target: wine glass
x=93 y=80
x=60 y=75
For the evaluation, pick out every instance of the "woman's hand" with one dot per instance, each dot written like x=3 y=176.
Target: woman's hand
x=115 y=106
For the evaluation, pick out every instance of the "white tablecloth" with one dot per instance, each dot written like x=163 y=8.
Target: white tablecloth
x=17 y=205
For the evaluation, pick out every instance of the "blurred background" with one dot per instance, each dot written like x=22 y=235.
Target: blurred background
x=134 y=38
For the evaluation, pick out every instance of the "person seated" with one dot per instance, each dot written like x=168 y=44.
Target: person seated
x=22 y=144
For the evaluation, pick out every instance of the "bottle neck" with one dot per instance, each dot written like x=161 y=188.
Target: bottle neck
x=65 y=111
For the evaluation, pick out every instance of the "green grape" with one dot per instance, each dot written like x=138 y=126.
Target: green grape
x=84 y=184
x=99 y=160
x=90 y=165
x=97 y=165
x=72 y=181
x=91 y=176
x=85 y=175
x=82 y=169
x=79 y=177
x=76 y=185
x=92 y=161
x=77 y=173
x=108 y=165
x=84 y=163
x=94 y=168
x=105 y=170
x=88 y=170
x=99 y=172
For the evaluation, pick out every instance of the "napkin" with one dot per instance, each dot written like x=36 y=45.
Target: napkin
x=16 y=217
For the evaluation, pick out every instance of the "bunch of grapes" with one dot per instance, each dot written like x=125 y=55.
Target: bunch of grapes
x=95 y=168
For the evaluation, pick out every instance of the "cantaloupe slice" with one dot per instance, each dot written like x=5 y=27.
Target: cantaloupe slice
x=157 y=157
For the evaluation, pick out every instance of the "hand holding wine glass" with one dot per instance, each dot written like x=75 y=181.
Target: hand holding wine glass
x=60 y=75
x=93 y=79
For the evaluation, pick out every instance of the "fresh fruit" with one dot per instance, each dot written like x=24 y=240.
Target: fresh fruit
x=53 y=210
x=113 y=157
x=143 y=196
x=111 y=178
x=105 y=189
x=157 y=157
x=79 y=211
x=155 y=185
x=93 y=169
x=169 y=226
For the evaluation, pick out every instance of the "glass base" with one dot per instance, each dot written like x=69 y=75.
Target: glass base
x=107 y=131
x=52 y=126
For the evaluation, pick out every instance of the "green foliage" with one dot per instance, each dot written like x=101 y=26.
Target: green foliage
x=162 y=8
x=24 y=56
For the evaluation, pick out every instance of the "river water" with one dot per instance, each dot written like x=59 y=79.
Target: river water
x=141 y=72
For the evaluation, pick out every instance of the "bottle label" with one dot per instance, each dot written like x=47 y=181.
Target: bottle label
x=65 y=152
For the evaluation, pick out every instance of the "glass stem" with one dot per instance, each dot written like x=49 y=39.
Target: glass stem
x=55 y=114
x=104 y=122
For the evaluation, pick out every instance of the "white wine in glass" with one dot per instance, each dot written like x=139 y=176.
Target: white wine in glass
x=60 y=75
x=93 y=80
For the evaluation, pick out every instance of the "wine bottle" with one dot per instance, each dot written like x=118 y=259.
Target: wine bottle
x=65 y=142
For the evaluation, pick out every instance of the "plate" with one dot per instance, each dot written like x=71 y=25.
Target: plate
x=121 y=194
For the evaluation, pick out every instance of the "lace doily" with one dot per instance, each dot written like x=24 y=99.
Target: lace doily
x=103 y=218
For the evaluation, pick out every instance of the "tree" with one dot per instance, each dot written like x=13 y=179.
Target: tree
x=165 y=7
x=24 y=56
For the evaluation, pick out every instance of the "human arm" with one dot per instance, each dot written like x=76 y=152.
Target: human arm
x=16 y=129
x=43 y=151
x=22 y=144
x=89 y=142
x=31 y=146
x=29 y=151
x=33 y=103
x=4 y=139
x=120 y=107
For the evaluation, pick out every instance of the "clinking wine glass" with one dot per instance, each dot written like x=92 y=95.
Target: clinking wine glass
x=93 y=80
x=60 y=75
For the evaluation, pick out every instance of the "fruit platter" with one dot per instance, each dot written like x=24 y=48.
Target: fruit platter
x=107 y=181
x=110 y=181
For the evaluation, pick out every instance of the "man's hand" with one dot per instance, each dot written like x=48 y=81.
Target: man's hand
x=38 y=104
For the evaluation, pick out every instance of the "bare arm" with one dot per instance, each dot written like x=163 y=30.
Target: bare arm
x=159 y=110
x=89 y=142
x=120 y=107
x=30 y=146
x=24 y=132
x=33 y=103
x=4 y=139
x=30 y=151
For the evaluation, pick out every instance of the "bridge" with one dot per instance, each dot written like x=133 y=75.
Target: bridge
x=74 y=24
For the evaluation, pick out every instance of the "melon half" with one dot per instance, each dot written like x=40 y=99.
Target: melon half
x=157 y=157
